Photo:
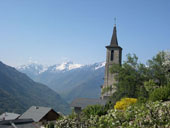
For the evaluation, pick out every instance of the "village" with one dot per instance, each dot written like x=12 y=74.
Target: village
x=38 y=116
x=84 y=64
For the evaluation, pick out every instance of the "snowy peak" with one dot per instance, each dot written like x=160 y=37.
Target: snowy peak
x=33 y=67
x=66 y=66
x=37 y=69
x=100 y=65
x=28 y=66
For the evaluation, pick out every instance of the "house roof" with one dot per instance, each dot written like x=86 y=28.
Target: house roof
x=84 y=102
x=36 y=113
x=9 y=116
x=19 y=123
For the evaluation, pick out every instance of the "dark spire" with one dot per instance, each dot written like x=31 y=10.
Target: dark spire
x=114 y=41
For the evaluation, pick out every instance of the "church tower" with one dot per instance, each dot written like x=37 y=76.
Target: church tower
x=113 y=56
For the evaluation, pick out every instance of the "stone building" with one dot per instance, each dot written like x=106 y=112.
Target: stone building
x=113 y=56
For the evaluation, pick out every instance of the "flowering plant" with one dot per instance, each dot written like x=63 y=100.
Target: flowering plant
x=124 y=103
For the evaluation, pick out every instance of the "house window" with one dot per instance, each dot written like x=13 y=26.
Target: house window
x=112 y=55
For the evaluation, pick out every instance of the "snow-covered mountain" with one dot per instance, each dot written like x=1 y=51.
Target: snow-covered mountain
x=37 y=69
x=66 y=66
x=69 y=79
x=33 y=68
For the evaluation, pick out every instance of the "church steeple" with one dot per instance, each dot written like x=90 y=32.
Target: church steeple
x=114 y=41
x=113 y=56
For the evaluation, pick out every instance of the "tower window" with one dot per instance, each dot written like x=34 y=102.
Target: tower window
x=112 y=55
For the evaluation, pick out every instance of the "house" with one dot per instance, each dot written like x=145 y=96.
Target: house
x=80 y=103
x=40 y=114
x=18 y=123
x=9 y=116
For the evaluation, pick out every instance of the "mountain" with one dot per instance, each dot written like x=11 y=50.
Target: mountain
x=68 y=79
x=18 y=92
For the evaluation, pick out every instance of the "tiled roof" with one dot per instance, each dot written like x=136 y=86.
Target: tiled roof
x=84 y=102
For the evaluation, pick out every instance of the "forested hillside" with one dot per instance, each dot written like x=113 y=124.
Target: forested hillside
x=18 y=92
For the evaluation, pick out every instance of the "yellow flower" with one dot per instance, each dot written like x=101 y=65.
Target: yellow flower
x=124 y=103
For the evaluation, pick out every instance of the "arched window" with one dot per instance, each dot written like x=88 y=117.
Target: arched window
x=112 y=55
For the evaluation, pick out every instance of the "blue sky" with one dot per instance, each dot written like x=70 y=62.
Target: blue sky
x=52 y=31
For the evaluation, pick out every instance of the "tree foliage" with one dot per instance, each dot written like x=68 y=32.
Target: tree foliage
x=130 y=77
x=162 y=93
x=139 y=80
x=157 y=70
x=94 y=110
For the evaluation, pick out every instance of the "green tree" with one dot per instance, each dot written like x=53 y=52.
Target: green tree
x=130 y=76
x=161 y=93
x=157 y=69
x=137 y=80
x=150 y=85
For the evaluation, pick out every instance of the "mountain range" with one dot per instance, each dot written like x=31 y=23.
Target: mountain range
x=18 y=92
x=68 y=79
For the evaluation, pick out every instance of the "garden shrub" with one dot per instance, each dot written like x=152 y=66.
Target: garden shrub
x=142 y=100
x=146 y=115
x=152 y=114
x=94 y=110
x=124 y=103
x=50 y=125
x=161 y=93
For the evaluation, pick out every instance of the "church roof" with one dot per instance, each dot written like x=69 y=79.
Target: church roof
x=114 y=41
x=84 y=102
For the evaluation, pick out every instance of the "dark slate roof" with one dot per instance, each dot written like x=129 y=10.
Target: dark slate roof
x=84 y=102
x=9 y=116
x=30 y=125
x=19 y=123
x=36 y=113
x=114 y=41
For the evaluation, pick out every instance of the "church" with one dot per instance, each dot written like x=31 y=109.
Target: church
x=113 y=56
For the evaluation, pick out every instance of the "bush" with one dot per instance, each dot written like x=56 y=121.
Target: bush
x=50 y=125
x=76 y=121
x=124 y=103
x=93 y=110
x=152 y=114
x=161 y=93
x=146 y=115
